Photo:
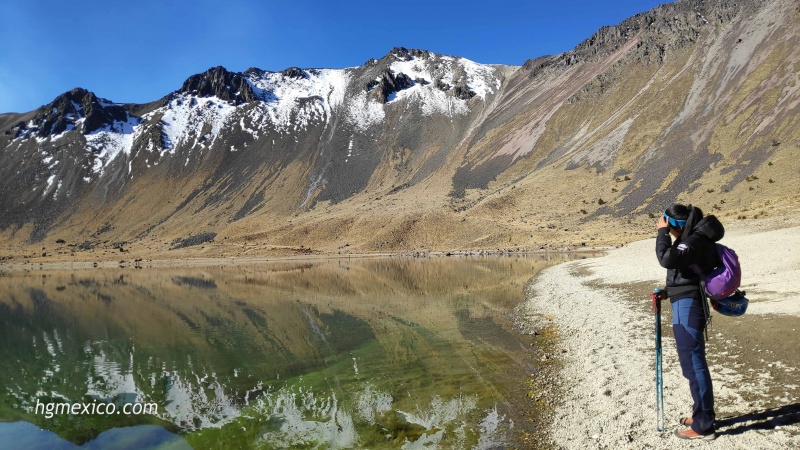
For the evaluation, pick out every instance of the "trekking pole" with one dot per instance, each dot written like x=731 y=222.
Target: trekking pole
x=706 y=310
x=659 y=372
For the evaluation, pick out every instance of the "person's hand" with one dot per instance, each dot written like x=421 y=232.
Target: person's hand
x=662 y=223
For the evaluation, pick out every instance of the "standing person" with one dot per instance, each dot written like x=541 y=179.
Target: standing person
x=685 y=245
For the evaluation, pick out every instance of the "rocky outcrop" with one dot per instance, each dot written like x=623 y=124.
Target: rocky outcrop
x=405 y=54
x=77 y=109
x=463 y=92
x=387 y=84
x=460 y=90
x=658 y=32
x=296 y=73
x=218 y=82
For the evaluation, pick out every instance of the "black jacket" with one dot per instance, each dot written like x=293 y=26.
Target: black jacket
x=697 y=250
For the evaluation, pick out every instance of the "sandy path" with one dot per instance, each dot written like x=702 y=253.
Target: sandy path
x=601 y=309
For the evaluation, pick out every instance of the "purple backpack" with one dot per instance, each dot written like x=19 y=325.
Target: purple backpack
x=723 y=281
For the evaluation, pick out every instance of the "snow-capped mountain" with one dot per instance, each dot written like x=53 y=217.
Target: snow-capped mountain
x=257 y=102
x=328 y=115
x=421 y=150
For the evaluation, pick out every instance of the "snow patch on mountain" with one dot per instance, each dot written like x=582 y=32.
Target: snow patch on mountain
x=479 y=78
x=283 y=94
x=434 y=101
x=111 y=140
x=363 y=112
x=52 y=187
x=186 y=116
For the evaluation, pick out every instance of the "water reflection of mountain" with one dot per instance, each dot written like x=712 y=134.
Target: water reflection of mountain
x=328 y=351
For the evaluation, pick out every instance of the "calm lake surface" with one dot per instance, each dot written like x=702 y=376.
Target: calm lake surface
x=369 y=353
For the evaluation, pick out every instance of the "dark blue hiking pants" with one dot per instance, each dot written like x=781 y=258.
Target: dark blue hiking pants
x=688 y=324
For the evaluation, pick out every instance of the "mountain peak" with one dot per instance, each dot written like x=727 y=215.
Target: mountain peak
x=74 y=108
x=221 y=83
x=405 y=54
x=295 y=72
x=74 y=101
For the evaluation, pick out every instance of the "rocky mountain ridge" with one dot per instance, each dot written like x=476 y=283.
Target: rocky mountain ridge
x=418 y=151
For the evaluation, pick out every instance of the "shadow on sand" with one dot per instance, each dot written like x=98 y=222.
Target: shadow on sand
x=766 y=419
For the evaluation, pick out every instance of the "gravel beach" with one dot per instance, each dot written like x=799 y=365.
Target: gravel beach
x=605 y=397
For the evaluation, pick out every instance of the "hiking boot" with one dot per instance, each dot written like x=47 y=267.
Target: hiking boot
x=691 y=434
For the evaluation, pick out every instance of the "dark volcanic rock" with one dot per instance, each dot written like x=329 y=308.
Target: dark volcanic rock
x=442 y=86
x=387 y=84
x=295 y=72
x=253 y=72
x=67 y=109
x=405 y=54
x=219 y=82
x=463 y=92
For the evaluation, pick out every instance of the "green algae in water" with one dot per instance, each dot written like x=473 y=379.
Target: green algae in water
x=381 y=353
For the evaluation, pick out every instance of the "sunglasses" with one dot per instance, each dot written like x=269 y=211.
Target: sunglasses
x=675 y=222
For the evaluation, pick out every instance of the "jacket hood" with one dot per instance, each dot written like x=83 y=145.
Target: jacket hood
x=710 y=227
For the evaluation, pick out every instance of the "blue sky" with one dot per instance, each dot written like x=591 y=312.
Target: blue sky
x=139 y=51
